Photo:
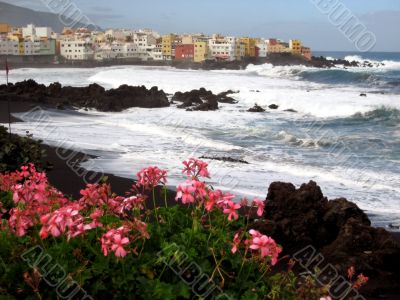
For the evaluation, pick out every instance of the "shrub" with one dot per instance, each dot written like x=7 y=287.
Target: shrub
x=19 y=151
x=107 y=246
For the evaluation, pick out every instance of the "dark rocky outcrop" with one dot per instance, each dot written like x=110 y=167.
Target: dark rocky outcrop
x=322 y=62
x=202 y=99
x=225 y=159
x=256 y=108
x=273 y=106
x=338 y=229
x=92 y=96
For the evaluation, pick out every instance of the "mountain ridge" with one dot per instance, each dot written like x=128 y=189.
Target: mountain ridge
x=21 y=16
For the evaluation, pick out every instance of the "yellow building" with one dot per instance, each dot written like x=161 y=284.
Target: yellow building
x=200 y=51
x=249 y=46
x=21 y=47
x=295 y=47
x=187 y=39
x=5 y=28
x=278 y=48
x=167 y=45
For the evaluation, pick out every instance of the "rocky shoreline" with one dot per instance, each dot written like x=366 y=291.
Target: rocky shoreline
x=274 y=59
x=339 y=232
x=97 y=97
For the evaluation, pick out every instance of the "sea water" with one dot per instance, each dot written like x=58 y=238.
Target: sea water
x=349 y=145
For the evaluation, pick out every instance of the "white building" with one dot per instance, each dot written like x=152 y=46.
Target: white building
x=156 y=53
x=228 y=48
x=130 y=50
x=262 y=49
x=8 y=47
x=116 y=35
x=32 y=32
x=104 y=52
x=77 y=49
x=31 y=47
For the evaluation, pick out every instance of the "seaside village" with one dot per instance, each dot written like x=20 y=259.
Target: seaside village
x=143 y=45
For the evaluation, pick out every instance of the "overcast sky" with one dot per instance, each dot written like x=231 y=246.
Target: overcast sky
x=283 y=19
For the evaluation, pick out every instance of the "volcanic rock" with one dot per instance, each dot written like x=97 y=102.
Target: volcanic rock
x=92 y=96
x=337 y=229
x=273 y=106
x=256 y=108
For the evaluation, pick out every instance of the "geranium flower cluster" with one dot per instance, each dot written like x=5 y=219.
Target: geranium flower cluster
x=32 y=197
x=194 y=191
x=260 y=245
x=114 y=241
x=150 y=177
x=36 y=203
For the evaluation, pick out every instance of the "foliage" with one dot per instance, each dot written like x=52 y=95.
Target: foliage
x=113 y=247
x=19 y=151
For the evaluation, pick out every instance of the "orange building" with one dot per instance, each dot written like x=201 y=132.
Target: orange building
x=5 y=28
x=306 y=52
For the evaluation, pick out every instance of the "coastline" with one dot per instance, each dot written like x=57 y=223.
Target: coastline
x=274 y=59
x=65 y=179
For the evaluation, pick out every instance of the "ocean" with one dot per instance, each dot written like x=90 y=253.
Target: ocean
x=349 y=145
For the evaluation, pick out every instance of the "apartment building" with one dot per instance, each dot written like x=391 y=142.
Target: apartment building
x=295 y=47
x=201 y=51
x=77 y=49
x=226 y=48
x=184 y=52
x=250 y=46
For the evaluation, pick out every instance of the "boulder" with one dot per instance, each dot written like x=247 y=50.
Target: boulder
x=273 y=106
x=256 y=108
x=338 y=229
x=201 y=99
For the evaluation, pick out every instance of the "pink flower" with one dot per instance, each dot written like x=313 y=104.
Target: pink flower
x=260 y=206
x=266 y=246
x=114 y=240
x=151 y=177
x=95 y=195
x=225 y=199
x=326 y=298
x=185 y=193
x=118 y=246
x=121 y=205
x=24 y=171
x=255 y=233
x=19 y=221
x=231 y=210
x=195 y=167
x=212 y=200
x=235 y=244
x=200 y=189
x=61 y=220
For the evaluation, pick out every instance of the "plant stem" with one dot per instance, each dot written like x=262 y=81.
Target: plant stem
x=154 y=203
x=244 y=259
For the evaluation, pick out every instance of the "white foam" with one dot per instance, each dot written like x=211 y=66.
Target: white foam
x=138 y=137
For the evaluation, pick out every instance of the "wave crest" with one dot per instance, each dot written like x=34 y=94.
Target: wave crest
x=391 y=116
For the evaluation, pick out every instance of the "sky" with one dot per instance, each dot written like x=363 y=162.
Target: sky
x=285 y=19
